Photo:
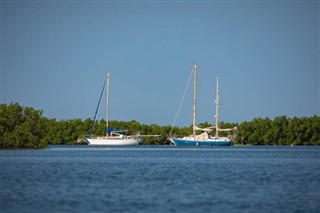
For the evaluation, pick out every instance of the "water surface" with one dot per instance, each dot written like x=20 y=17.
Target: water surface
x=161 y=179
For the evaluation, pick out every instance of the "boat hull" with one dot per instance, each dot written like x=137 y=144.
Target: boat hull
x=112 y=142
x=184 y=142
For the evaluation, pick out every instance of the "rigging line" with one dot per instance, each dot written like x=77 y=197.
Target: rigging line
x=97 y=110
x=178 y=111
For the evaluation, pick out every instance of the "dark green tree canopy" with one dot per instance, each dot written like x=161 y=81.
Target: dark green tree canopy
x=25 y=127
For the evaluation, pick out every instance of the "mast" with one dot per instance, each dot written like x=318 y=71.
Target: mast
x=107 y=108
x=217 y=108
x=194 y=98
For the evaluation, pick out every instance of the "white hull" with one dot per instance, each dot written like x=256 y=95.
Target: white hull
x=112 y=141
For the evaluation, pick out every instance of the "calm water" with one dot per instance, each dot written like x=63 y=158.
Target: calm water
x=161 y=179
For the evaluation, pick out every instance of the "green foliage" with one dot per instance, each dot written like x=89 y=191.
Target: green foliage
x=21 y=127
x=25 y=127
x=280 y=131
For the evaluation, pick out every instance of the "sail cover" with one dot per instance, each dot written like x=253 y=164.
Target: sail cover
x=109 y=130
x=207 y=129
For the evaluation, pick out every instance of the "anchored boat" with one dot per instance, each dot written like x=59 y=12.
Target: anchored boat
x=113 y=137
x=204 y=138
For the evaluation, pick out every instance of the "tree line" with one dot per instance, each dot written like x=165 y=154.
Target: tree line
x=25 y=127
x=280 y=131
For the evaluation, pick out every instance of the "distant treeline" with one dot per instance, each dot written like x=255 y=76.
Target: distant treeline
x=280 y=131
x=25 y=127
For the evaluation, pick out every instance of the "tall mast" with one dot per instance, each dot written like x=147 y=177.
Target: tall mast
x=217 y=108
x=194 y=98
x=107 y=112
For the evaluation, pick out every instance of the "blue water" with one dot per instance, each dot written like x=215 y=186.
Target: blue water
x=161 y=179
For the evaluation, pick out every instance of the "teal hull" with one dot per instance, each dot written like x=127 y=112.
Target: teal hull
x=181 y=142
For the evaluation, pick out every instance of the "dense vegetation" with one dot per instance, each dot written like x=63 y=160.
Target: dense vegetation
x=280 y=131
x=25 y=127
x=22 y=127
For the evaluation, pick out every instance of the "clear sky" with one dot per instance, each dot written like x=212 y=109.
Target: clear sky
x=55 y=55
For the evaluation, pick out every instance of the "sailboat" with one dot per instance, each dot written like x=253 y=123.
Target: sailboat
x=113 y=137
x=204 y=138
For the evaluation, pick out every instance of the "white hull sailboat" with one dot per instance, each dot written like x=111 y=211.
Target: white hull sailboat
x=204 y=138
x=113 y=137
x=113 y=141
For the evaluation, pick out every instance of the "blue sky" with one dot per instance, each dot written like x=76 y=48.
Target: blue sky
x=55 y=55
